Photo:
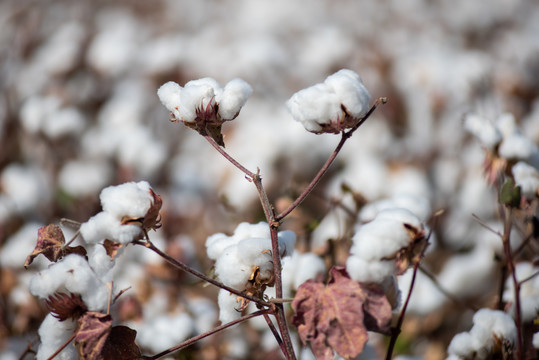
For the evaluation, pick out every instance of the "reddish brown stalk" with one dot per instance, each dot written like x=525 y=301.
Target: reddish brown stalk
x=62 y=347
x=506 y=239
x=193 y=340
x=345 y=136
x=250 y=175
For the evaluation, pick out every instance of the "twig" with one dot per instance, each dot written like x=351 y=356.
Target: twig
x=180 y=265
x=222 y=151
x=345 y=136
x=275 y=333
x=64 y=345
x=508 y=213
x=206 y=334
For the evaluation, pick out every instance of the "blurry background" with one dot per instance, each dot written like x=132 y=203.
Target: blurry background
x=79 y=112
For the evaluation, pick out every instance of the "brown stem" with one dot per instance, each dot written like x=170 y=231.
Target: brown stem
x=275 y=333
x=508 y=217
x=222 y=151
x=184 y=267
x=395 y=331
x=206 y=334
x=345 y=136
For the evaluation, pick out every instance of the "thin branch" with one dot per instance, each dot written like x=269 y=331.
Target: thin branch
x=222 y=151
x=275 y=333
x=193 y=340
x=483 y=224
x=180 y=265
x=508 y=221
x=345 y=136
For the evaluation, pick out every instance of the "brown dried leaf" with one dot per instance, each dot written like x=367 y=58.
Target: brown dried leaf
x=64 y=306
x=51 y=243
x=332 y=317
x=112 y=248
x=152 y=220
x=411 y=254
x=94 y=329
x=120 y=344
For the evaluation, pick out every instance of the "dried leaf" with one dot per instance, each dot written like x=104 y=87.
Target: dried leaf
x=120 y=344
x=51 y=243
x=332 y=317
x=64 y=306
x=94 y=329
x=411 y=254
x=152 y=219
x=112 y=248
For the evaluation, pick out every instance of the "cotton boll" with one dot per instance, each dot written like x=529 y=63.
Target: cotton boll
x=461 y=346
x=75 y=275
x=332 y=226
x=53 y=333
x=25 y=187
x=350 y=91
x=367 y=271
x=105 y=225
x=195 y=97
x=485 y=130
x=529 y=291
x=227 y=307
x=517 y=146
x=84 y=177
x=204 y=313
x=235 y=95
x=129 y=199
x=164 y=331
x=527 y=177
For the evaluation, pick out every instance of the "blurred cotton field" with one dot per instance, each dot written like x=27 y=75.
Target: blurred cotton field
x=79 y=111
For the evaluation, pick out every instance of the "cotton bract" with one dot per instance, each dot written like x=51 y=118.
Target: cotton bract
x=332 y=106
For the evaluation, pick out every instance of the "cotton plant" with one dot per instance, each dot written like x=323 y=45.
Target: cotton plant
x=255 y=265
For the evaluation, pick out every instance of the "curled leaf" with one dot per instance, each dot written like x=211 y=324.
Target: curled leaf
x=336 y=316
x=94 y=329
x=51 y=243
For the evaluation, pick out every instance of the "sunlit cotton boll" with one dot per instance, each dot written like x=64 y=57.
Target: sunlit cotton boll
x=375 y=242
x=321 y=105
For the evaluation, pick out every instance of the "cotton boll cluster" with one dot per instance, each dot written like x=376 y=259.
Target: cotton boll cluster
x=124 y=209
x=529 y=291
x=373 y=255
x=332 y=106
x=205 y=96
x=493 y=331
x=244 y=260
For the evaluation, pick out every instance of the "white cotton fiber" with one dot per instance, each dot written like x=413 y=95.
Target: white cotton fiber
x=227 y=307
x=527 y=177
x=129 y=199
x=170 y=96
x=490 y=326
x=53 y=333
x=234 y=96
x=72 y=274
x=350 y=91
x=484 y=130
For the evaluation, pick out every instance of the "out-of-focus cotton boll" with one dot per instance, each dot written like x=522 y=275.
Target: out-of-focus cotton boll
x=53 y=333
x=75 y=275
x=84 y=177
x=375 y=242
x=535 y=340
x=113 y=49
x=469 y=274
x=517 y=146
x=425 y=298
x=490 y=326
x=46 y=115
x=204 y=314
x=529 y=291
x=527 y=177
x=418 y=205
x=164 y=331
x=333 y=226
x=26 y=187
x=299 y=268
x=484 y=130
